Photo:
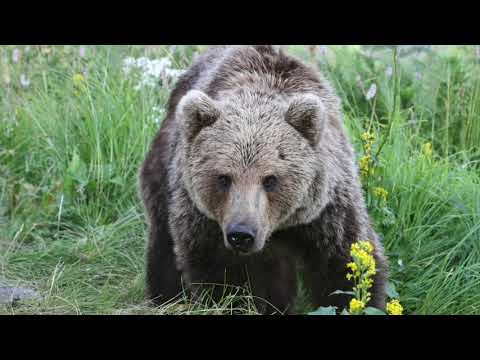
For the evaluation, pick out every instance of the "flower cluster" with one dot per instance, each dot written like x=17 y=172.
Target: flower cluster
x=158 y=114
x=151 y=71
x=79 y=83
x=366 y=161
x=362 y=269
x=394 y=308
x=356 y=306
x=365 y=165
x=78 y=79
x=368 y=139
x=372 y=91
x=427 y=149
x=371 y=171
x=381 y=193
x=24 y=81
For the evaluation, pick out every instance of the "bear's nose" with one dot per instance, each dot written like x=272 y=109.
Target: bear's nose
x=241 y=237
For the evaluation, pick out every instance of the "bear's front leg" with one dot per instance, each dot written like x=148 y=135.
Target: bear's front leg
x=273 y=283
x=162 y=277
x=270 y=283
x=206 y=280
x=198 y=243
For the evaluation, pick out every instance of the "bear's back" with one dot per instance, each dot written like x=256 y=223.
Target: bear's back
x=201 y=69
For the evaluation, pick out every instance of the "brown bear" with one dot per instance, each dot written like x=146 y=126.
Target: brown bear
x=250 y=175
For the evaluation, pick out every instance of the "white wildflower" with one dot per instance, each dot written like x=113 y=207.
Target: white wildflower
x=477 y=52
x=173 y=73
x=82 y=51
x=151 y=71
x=323 y=50
x=24 y=81
x=158 y=113
x=16 y=55
x=372 y=91
x=418 y=75
x=141 y=62
x=128 y=63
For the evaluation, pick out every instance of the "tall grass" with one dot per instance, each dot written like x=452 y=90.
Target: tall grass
x=72 y=226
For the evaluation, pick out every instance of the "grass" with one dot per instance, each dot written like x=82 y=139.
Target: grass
x=72 y=226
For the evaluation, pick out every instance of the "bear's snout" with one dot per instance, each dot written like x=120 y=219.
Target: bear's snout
x=241 y=237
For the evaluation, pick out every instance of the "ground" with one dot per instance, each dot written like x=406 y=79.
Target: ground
x=75 y=125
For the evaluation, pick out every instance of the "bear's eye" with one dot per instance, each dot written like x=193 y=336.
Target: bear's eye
x=224 y=182
x=270 y=183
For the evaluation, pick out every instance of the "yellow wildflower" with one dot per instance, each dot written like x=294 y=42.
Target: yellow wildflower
x=368 y=136
x=366 y=283
x=78 y=79
x=367 y=262
x=366 y=245
x=356 y=306
x=362 y=268
x=365 y=164
x=361 y=247
x=361 y=254
x=368 y=147
x=368 y=139
x=394 y=308
x=427 y=149
x=352 y=266
x=380 y=192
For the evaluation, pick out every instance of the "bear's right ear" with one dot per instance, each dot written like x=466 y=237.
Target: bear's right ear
x=196 y=111
x=307 y=115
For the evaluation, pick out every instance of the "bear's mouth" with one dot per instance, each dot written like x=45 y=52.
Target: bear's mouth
x=255 y=250
x=246 y=253
x=242 y=252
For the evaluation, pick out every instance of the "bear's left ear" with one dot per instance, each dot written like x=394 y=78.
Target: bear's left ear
x=197 y=111
x=307 y=115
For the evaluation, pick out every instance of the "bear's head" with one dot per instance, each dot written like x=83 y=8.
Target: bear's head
x=250 y=160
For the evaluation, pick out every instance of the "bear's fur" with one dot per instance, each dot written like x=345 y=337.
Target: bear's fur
x=237 y=116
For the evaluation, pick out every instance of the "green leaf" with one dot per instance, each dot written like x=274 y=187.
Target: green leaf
x=373 y=311
x=322 y=310
x=117 y=180
x=391 y=291
x=76 y=174
x=77 y=169
x=344 y=312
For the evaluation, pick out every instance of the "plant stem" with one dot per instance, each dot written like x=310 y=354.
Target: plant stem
x=396 y=100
